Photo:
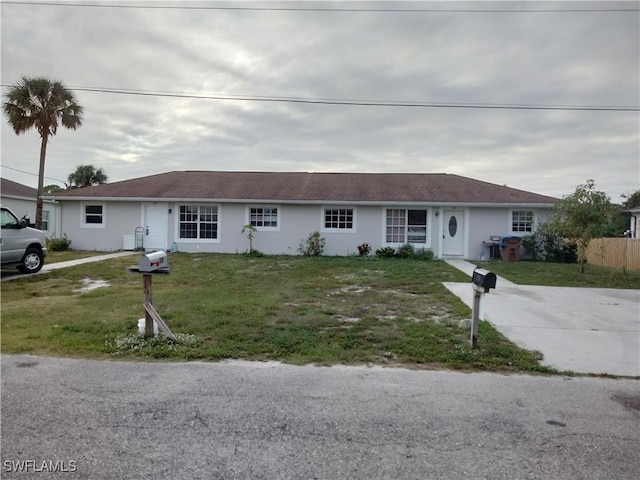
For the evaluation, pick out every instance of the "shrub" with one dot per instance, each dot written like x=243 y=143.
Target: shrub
x=549 y=246
x=531 y=246
x=313 y=246
x=364 y=249
x=386 y=252
x=424 y=254
x=61 y=244
x=405 y=251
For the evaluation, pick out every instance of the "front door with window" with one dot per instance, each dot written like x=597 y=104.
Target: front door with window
x=453 y=232
x=155 y=226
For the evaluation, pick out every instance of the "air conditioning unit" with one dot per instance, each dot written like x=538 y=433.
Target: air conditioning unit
x=129 y=242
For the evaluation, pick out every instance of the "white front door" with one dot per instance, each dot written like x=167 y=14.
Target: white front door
x=156 y=223
x=453 y=232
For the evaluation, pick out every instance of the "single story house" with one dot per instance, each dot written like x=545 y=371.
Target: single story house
x=21 y=200
x=634 y=213
x=205 y=211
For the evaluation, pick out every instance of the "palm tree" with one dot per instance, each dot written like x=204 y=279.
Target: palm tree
x=37 y=102
x=85 y=176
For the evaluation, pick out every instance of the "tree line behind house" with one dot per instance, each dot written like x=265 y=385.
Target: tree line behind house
x=83 y=176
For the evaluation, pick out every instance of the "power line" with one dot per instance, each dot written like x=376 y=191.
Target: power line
x=34 y=174
x=364 y=103
x=351 y=102
x=317 y=9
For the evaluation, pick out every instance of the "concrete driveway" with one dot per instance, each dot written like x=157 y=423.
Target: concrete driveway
x=584 y=330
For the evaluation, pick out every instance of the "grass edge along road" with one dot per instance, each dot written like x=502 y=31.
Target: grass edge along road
x=327 y=310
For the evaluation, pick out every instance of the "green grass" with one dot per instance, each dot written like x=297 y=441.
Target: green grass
x=564 y=274
x=294 y=309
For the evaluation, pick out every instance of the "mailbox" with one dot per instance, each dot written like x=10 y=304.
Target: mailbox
x=483 y=278
x=152 y=261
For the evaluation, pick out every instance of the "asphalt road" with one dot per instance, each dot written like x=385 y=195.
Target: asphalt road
x=243 y=420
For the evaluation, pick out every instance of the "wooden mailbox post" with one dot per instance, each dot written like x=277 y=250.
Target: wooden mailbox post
x=149 y=265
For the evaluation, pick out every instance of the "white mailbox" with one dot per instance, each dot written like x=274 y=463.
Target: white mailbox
x=152 y=261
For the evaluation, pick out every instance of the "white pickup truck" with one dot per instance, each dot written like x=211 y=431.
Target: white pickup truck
x=20 y=245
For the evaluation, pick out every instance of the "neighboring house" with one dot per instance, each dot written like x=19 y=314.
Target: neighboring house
x=203 y=211
x=22 y=201
x=634 y=213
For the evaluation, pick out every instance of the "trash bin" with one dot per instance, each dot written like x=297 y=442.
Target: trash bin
x=510 y=249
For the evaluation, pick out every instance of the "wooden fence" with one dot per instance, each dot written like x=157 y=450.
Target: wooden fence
x=615 y=252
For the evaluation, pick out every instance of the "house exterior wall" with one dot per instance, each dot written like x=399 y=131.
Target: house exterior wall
x=483 y=224
x=295 y=222
x=487 y=222
x=22 y=207
x=120 y=218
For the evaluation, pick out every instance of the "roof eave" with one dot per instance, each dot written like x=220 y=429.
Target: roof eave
x=307 y=202
x=28 y=199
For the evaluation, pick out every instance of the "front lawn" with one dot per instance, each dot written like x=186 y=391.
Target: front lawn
x=295 y=309
x=564 y=274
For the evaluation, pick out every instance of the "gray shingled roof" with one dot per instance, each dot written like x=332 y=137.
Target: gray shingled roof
x=10 y=188
x=324 y=187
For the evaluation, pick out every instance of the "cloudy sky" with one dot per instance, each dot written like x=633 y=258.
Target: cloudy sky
x=421 y=69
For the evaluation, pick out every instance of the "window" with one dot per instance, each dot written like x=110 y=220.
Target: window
x=396 y=224
x=416 y=226
x=93 y=215
x=198 y=222
x=406 y=226
x=8 y=220
x=522 y=221
x=338 y=218
x=263 y=217
x=45 y=220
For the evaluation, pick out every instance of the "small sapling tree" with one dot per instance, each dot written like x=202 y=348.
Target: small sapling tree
x=251 y=231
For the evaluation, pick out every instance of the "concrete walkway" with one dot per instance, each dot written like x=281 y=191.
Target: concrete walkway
x=80 y=261
x=584 y=330
x=468 y=268
x=47 y=267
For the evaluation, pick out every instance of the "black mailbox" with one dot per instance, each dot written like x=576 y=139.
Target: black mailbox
x=484 y=278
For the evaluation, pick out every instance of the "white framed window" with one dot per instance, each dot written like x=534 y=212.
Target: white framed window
x=264 y=218
x=198 y=222
x=522 y=221
x=45 y=220
x=396 y=225
x=339 y=219
x=406 y=226
x=93 y=215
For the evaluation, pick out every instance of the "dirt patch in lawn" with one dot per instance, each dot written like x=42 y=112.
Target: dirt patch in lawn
x=90 y=284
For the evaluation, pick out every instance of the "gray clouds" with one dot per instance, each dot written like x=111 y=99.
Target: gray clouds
x=584 y=58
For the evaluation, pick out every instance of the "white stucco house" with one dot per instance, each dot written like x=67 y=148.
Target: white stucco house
x=21 y=200
x=205 y=211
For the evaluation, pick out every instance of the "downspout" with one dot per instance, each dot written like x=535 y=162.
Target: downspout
x=58 y=226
